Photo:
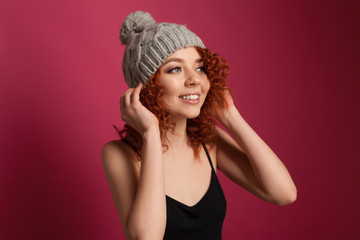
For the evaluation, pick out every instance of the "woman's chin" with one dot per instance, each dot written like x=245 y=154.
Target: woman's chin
x=193 y=115
x=188 y=115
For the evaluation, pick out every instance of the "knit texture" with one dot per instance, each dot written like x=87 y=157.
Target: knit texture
x=148 y=44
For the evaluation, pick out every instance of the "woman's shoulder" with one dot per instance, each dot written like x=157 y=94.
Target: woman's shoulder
x=116 y=146
x=119 y=153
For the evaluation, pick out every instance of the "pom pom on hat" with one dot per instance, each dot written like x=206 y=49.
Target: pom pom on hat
x=135 y=22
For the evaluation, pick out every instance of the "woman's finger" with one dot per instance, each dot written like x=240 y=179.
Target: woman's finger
x=127 y=100
x=135 y=94
x=122 y=98
x=122 y=105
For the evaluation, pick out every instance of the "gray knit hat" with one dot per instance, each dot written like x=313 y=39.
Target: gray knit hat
x=149 y=44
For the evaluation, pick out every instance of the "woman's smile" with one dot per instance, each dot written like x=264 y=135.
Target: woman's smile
x=192 y=98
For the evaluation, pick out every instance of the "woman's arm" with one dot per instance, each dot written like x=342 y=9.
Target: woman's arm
x=148 y=215
x=139 y=196
x=253 y=165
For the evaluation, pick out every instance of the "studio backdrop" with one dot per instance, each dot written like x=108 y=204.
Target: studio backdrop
x=294 y=74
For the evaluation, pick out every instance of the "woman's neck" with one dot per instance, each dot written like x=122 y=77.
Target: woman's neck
x=180 y=137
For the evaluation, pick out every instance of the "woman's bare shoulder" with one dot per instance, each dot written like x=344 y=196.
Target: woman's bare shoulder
x=118 y=152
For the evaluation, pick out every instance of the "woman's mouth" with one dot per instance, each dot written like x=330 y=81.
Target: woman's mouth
x=190 y=99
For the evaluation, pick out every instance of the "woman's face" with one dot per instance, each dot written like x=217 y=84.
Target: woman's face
x=185 y=83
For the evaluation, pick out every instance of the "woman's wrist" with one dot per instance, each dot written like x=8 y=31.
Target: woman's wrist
x=151 y=133
x=228 y=116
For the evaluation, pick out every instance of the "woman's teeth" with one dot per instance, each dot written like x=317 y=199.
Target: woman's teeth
x=190 y=97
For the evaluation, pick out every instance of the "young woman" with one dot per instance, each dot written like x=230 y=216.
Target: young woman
x=162 y=173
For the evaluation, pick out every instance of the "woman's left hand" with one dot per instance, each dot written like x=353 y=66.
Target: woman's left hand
x=224 y=114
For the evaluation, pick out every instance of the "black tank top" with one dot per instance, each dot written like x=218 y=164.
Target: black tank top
x=204 y=220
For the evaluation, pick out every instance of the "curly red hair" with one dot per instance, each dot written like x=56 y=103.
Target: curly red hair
x=200 y=129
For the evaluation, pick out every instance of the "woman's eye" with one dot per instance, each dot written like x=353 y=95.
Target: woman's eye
x=202 y=69
x=177 y=69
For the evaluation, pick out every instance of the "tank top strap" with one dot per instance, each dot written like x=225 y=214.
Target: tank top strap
x=208 y=156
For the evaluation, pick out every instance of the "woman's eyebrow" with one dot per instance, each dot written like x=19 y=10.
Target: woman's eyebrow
x=179 y=60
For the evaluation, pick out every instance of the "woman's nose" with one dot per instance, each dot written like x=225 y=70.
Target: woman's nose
x=193 y=79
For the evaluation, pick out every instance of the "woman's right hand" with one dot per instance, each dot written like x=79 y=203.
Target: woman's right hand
x=135 y=114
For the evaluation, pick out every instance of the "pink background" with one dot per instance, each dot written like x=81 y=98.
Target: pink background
x=294 y=75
